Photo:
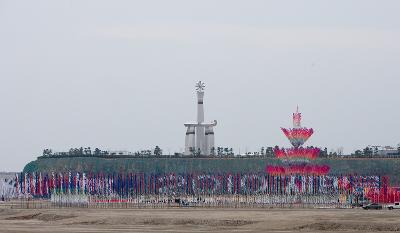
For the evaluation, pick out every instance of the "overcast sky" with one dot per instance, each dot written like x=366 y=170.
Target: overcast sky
x=121 y=74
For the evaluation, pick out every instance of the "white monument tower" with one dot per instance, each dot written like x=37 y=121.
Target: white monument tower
x=199 y=135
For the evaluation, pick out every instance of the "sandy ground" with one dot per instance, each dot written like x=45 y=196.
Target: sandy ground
x=198 y=220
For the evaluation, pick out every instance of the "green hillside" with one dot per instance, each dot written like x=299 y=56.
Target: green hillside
x=388 y=167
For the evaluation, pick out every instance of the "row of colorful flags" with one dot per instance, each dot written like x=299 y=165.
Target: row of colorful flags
x=128 y=184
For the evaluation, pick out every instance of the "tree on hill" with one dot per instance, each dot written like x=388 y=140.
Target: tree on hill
x=87 y=151
x=194 y=152
x=219 y=151
x=226 y=151
x=47 y=152
x=323 y=153
x=358 y=153
x=367 y=151
x=212 y=152
x=97 y=152
x=269 y=151
x=157 y=151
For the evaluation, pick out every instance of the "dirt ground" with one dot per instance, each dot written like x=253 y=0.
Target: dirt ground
x=198 y=220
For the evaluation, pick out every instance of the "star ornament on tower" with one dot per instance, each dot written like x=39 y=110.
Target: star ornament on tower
x=200 y=86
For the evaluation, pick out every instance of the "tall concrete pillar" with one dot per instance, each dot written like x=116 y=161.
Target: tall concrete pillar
x=210 y=139
x=206 y=141
x=189 y=140
x=200 y=136
x=200 y=107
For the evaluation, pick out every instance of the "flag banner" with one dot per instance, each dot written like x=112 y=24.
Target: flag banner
x=40 y=185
